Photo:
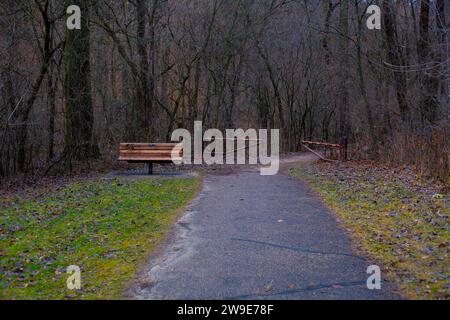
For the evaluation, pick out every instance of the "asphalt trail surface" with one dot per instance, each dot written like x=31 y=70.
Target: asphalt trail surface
x=248 y=236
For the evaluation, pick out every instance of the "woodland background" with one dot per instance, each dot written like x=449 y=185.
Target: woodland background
x=139 y=69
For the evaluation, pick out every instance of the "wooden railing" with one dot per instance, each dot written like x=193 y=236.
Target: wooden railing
x=342 y=147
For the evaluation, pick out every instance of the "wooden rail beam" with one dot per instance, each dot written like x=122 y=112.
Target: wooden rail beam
x=323 y=144
x=321 y=156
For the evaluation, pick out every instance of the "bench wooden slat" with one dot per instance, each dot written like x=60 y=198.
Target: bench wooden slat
x=149 y=148
x=148 y=145
x=145 y=160
x=150 y=152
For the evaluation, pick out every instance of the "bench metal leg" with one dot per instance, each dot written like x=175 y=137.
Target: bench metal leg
x=150 y=168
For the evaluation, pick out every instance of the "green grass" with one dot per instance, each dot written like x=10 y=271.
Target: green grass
x=106 y=227
x=396 y=218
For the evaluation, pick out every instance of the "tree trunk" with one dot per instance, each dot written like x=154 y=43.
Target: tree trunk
x=362 y=82
x=80 y=143
x=395 y=60
x=429 y=83
x=343 y=73
x=143 y=92
x=443 y=52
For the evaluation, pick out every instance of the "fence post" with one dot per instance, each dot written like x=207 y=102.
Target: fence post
x=344 y=149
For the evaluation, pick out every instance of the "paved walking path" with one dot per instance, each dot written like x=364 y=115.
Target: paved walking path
x=248 y=236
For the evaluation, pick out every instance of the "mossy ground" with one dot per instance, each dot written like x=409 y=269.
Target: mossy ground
x=106 y=227
x=393 y=215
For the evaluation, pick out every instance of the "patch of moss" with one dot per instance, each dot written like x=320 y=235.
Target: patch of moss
x=106 y=227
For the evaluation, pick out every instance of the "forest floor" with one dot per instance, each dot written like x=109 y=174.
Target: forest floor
x=107 y=227
x=244 y=236
x=399 y=218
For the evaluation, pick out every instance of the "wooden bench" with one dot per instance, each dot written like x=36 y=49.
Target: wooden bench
x=150 y=153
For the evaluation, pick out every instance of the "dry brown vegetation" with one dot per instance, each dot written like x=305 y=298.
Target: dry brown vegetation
x=139 y=69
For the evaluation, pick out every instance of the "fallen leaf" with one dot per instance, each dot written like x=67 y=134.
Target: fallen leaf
x=269 y=287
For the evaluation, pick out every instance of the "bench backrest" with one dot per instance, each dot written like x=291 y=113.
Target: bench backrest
x=149 y=152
